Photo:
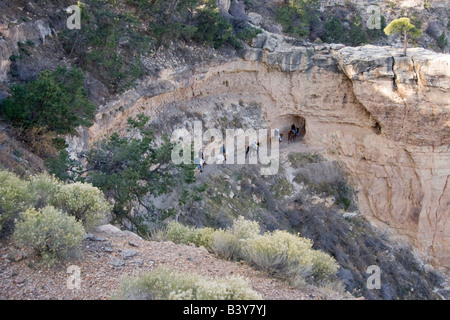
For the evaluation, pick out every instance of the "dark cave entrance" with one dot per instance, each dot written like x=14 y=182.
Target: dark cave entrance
x=286 y=122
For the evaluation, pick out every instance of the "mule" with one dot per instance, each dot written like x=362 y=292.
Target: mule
x=292 y=135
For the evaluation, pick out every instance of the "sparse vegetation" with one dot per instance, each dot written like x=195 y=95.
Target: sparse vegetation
x=301 y=159
x=339 y=189
x=116 y=35
x=168 y=284
x=279 y=253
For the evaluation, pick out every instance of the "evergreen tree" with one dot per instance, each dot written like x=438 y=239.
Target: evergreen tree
x=404 y=27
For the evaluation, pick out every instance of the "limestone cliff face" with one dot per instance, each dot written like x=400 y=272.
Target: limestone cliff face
x=386 y=117
x=404 y=172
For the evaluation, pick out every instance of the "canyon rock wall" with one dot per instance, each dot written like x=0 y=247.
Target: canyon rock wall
x=385 y=116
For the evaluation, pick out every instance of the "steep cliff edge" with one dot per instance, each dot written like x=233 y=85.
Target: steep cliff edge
x=383 y=115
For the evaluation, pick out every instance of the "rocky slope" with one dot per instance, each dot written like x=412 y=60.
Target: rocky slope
x=109 y=254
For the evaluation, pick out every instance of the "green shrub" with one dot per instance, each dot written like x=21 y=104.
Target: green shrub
x=266 y=254
x=167 y=284
x=325 y=267
x=248 y=33
x=43 y=187
x=83 y=201
x=55 y=101
x=212 y=28
x=225 y=245
x=14 y=196
x=289 y=256
x=356 y=34
x=178 y=233
x=203 y=238
x=297 y=16
x=334 y=32
x=52 y=233
x=278 y=253
x=244 y=229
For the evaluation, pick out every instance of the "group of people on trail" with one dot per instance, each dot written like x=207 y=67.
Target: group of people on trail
x=200 y=161
x=294 y=129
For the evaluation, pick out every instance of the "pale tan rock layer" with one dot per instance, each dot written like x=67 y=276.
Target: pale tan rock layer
x=401 y=173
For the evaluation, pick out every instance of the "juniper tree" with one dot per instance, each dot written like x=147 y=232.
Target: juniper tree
x=130 y=168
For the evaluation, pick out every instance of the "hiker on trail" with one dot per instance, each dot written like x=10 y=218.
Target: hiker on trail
x=201 y=156
x=294 y=129
x=277 y=134
x=254 y=147
x=224 y=152
x=199 y=162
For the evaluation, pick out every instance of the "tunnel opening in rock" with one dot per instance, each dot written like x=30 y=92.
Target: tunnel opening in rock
x=286 y=123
